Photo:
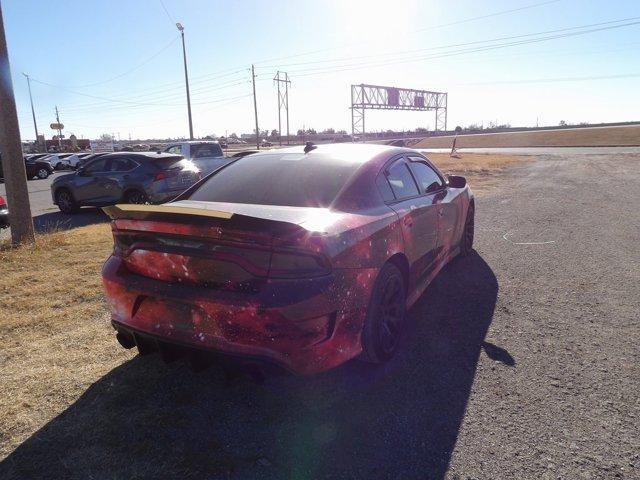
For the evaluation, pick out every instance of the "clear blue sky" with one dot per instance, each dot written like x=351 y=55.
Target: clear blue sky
x=116 y=66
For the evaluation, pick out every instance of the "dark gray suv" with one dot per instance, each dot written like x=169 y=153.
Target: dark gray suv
x=132 y=177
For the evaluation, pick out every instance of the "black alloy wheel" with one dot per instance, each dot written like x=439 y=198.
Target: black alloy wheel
x=385 y=317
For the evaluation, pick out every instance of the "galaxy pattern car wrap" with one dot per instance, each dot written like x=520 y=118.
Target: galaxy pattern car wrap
x=286 y=284
x=194 y=283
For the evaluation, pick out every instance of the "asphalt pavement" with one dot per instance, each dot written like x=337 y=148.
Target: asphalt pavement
x=520 y=361
x=46 y=215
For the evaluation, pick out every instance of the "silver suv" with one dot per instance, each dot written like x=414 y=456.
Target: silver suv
x=131 y=177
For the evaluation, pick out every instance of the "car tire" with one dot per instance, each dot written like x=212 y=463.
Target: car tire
x=42 y=173
x=466 y=241
x=385 y=317
x=65 y=201
x=136 y=197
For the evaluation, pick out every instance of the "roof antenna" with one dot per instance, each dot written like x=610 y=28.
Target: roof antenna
x=309 y=146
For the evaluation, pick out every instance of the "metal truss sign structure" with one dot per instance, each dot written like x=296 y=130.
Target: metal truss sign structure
x=376 y=97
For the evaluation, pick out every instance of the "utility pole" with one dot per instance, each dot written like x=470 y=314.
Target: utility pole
x=15 y=177
x=283 y=101
x=186 y=80
x=286 y=96
x=33 y=112
x=255 y=106
x=59 y=130
x=277 y=79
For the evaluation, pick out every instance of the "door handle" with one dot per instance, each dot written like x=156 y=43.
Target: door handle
x=408 y=221
x=441 y=212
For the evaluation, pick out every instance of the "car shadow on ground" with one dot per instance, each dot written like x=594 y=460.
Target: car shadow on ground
x=54 y=221
x=145 y=419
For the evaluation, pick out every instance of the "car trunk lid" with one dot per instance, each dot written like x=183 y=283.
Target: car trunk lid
x=228 y=246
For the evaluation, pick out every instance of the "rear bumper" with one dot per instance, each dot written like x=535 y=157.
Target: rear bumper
x=305 y=326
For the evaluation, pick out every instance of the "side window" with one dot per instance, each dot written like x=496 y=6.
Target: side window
x=176 y=150
x=122 y=164
x=206 y=150
x=384 y=188
x=97 y=166
x=401 y=181
x=427 y=178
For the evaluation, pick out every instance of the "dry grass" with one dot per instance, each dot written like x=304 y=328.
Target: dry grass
x=571 y=137
x=482 y=171
x=53 y=330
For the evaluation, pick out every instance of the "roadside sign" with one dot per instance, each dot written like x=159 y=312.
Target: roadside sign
x=57 y=126
x=102 y=146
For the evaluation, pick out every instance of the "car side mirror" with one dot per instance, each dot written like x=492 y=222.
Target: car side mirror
x=456 y=181
x=81 y=173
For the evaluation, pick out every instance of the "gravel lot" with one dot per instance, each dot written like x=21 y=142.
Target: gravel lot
x=521 y=361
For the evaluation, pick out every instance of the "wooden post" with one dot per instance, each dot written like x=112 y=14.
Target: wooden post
x=15 y=177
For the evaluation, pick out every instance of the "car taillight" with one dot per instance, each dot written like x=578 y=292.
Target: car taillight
x=297 y=265
x=3 y=202
x=164 y=174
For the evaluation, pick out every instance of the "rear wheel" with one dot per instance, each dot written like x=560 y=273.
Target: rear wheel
x=42 y=173
x=385 y=316
x=66 y=202
x=466 y=242
x=136 y=197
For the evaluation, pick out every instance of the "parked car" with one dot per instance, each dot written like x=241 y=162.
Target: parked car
x=302 y=257
x=33 y=168
x=266 y=143
x=37 y=168
x=4 y=213
x=207 y=155
x=69 y=160
x=35 y=156
x=136 y=177
x=53 y=160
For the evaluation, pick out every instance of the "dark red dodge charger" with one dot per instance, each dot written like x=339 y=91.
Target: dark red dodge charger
x=304 y=257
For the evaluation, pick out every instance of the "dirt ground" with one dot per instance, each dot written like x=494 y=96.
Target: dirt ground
x=521 y=361
x=571 y=137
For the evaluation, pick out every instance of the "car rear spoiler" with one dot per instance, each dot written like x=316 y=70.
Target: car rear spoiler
x=168 y=213
x=150 y=212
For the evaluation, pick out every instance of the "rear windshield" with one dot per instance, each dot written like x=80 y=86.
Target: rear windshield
x=204 y=150
x=290 y=179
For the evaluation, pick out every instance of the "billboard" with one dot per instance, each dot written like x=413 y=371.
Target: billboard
x=101 y=146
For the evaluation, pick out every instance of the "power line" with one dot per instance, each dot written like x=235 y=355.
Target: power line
x=411 y=59
x=127 y=72
x=228 y=101
x=169 y=16
x=158 y=94
x=172 y=19
x=127 y=102
x=554 y=80
x=482 y=17
x=476 y=42
x=432 y=27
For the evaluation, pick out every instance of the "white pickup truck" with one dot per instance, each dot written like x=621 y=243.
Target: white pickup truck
x=207 y=155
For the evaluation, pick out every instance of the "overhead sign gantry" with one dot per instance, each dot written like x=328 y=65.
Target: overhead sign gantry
x=376 y=97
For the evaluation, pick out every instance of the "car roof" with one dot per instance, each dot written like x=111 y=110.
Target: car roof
x=142 y=155
x=349 y=152
x=191 y=142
